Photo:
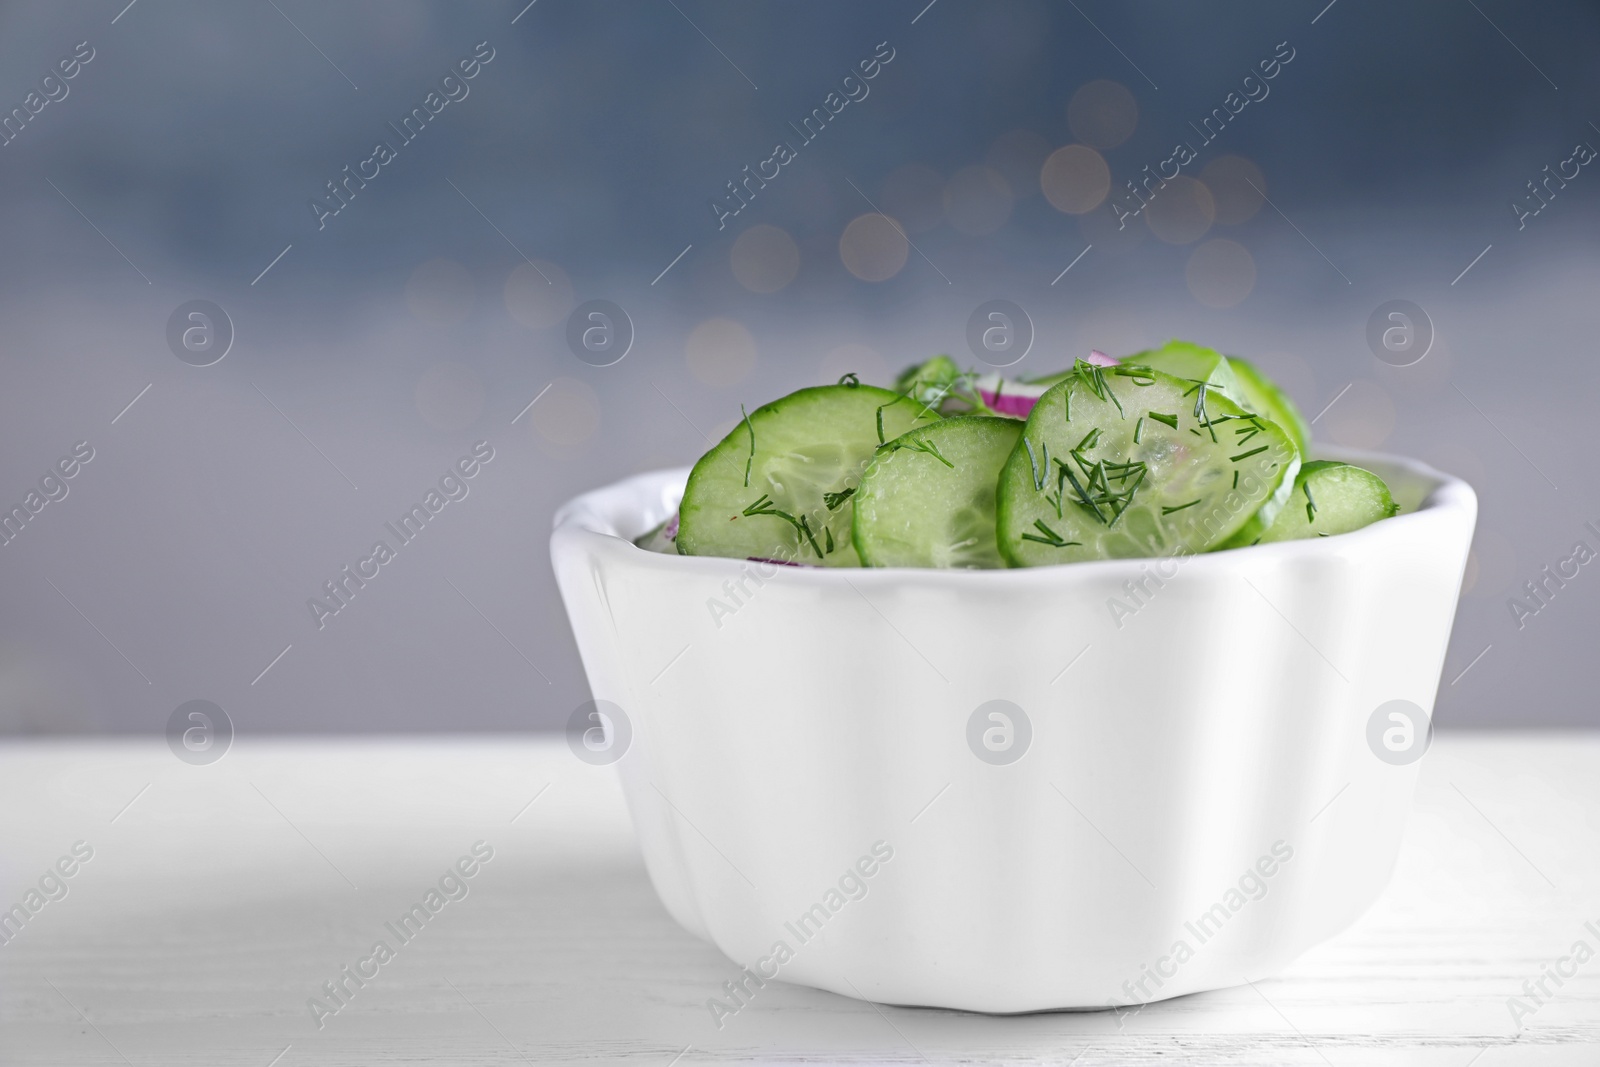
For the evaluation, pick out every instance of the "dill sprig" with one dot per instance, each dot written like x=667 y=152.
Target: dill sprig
x=1093 y=376
x=1033 y=463
x=833 y=500
x=1168 y=420
x=1095 y=490
x=1051 y=538
x=1247 y=455
x=764 y=506
x=1168 y=511
x=1084 y=499
x=1200 y=414
x=752 y=457
x=1311 y=504
x=920 y=445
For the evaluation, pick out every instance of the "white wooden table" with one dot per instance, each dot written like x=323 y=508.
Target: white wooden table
x=219 y=899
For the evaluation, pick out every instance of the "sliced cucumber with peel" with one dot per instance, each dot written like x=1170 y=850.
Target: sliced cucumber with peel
x=928 y=499
x=1237 y=379
x=1127 y=461
x=1176 y=450
x=1331 y=498
x=1260 y=395
x=779 y=485
x=929 y=382
x=1185 y=359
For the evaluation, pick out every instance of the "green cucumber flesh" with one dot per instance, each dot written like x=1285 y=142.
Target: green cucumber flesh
x=1140 y=463
x=1235 y=377
x=928 y=499
x=1185 y=359
x=1261 y=394
x=1331 y=498
x=779 y=485
x=930 y=380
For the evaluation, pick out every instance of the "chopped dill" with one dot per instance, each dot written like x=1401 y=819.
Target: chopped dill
x=1051 y=538
x=752 y=457
x=923 y=445
x=763 y=506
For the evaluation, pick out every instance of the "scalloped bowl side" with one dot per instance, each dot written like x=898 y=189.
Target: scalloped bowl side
x=1190 y=799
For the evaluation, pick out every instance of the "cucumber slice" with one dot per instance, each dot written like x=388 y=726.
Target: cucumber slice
x=929 y=381
x=779 y=485
x=1095 y=356
x=1140 y=463
x=1185 y=359
x=927 y=500
x=1235 y=377
x=1261 y=395
x=1331 y=498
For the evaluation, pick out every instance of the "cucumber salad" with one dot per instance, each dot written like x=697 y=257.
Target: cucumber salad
x=1171 y=451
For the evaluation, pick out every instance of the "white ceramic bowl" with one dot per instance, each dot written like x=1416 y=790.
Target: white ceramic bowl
x=1197 y=804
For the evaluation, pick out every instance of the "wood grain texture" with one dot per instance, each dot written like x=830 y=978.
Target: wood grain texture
x=223 y=897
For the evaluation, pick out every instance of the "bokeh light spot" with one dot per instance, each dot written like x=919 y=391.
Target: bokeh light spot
x=536 y=302
x=1018 y=156
x=977 y=200
x=1110 y=235
x=1102 y=113
x=764 y=259
x=720 y=352
x=1230 y=178
x=1075 y=179
x=1181 y=211
x=873 y=248
x=1220 y=273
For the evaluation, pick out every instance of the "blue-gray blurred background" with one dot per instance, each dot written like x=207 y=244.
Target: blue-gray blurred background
x=582 y=164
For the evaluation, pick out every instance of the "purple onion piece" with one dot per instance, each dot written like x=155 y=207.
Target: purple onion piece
x=1009 y=403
